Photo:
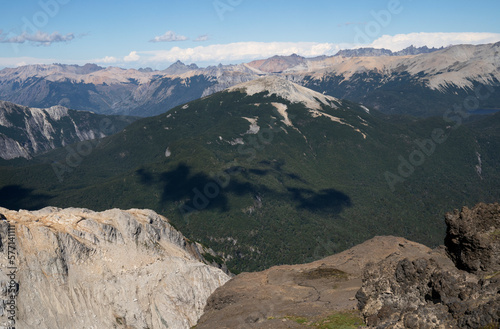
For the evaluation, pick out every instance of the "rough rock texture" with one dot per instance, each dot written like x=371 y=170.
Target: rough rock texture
x=430 y=291
x=114 y=269
x=473 y=238
x=274 y=297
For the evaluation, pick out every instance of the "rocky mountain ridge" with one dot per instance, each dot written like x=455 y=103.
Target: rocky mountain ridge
x=25 y=132
x=370 y=52
x=75 y=268
x=447 y=76
x=250 y=169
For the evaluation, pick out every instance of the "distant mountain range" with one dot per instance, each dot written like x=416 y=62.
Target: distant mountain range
x=373 y=52
x=25 y=132
x=415 y=81
x=269 y=172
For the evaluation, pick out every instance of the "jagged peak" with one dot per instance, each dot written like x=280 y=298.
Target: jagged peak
x=179 y=67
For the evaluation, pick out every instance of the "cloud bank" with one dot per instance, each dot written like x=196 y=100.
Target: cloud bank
x=246 y=51
x=239 y=52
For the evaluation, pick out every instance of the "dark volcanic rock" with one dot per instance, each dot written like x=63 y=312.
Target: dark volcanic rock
x=473 y=238
x=430 y=291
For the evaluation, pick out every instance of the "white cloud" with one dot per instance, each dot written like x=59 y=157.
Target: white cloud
x=246 y=51
x=107 y=60
x=241 y=51
x=401 y=41
x=132 y=57
x=38 y=38
x=169 y=36
x=203 y=37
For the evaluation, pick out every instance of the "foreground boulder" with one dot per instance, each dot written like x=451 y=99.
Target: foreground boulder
x=456 y=287
x=75 y=268
x=473 y=238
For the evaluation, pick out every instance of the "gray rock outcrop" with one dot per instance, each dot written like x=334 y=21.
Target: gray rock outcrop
x=456 y=287
x=26 y=132
x=473 y=238
x=76 y=268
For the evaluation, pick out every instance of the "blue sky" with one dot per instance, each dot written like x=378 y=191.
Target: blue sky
x=122 y=33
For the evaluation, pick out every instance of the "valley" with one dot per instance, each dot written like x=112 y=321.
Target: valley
x=269 y=172
x=289 y=191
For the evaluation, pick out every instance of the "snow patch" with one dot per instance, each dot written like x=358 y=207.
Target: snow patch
x=168 y=152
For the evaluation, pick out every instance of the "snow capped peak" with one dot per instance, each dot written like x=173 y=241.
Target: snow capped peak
x=287 y=90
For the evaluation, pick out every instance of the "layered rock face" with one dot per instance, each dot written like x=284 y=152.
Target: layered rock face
x=76 y=268
x=437 y=291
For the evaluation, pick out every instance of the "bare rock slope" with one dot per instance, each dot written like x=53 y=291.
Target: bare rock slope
x=75 y=268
